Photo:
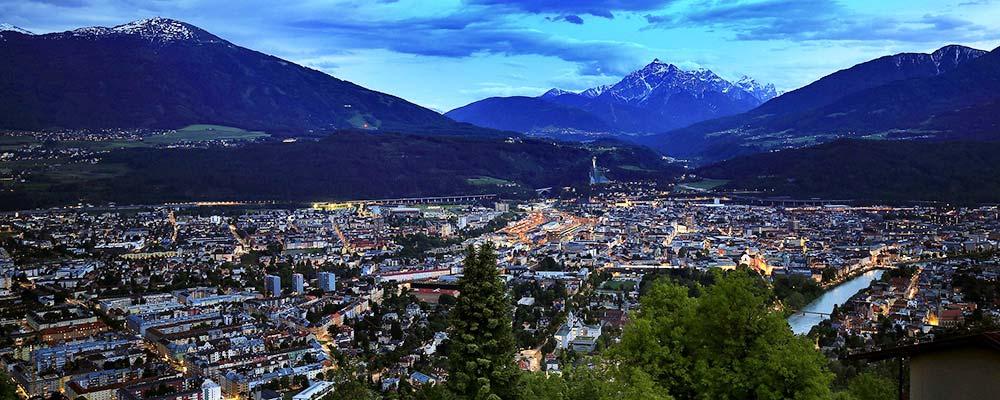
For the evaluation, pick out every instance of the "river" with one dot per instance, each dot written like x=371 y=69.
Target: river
x=801 y=323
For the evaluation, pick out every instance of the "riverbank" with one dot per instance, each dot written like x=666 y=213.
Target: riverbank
x=820 y=308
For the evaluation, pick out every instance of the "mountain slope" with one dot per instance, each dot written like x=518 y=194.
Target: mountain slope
x=871 y=170
x=892 y=96
x=345 y=165
x=526 y=114
x=655 y=98
x=161 y=73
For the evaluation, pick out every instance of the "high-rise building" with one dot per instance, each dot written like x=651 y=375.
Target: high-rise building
x=272 y=285
x=211 y=390
x=299 y=283
x=328 y=281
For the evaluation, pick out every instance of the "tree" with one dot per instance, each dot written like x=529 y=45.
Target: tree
x=601 y=382
x=7 y=389
x=481 y=356
x=869 y=386
x=828 y=274
x=729 y=343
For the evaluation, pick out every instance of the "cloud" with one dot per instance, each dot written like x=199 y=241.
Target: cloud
x=809 y=20
x=573 y=19
x=597 y=8
x=468 y=34
x=490 y=89
x=306 y=31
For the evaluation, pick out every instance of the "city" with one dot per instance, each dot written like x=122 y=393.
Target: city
x=254 y=301
x=499 y=200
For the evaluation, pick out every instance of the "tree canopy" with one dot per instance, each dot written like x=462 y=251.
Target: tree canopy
x=729 y=343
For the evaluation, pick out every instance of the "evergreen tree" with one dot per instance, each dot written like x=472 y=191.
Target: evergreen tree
x=481 y=357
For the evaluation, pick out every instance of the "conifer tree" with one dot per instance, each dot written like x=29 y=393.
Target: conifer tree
x=481 y=358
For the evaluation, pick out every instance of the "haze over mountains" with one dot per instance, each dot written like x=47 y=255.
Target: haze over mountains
x=950 y=94
x=655 y=98
x=162 y=73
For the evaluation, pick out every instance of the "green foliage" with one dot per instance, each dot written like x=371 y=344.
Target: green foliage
x=350 y=384
x=729 y=343
x=7 y=388
x=481 y=357
x=868 y=386
x=796 y=291
x=549 y=264
x=598 y=383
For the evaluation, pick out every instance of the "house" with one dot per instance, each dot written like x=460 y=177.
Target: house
x=966 y=367
x=418 y=379
x=576 y=335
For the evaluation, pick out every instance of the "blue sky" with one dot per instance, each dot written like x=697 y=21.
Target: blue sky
x=444 y=54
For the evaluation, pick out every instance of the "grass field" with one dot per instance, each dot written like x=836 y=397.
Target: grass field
x=626 y=286
x=488 y=181
x=628 y=167
x=201 y=133
x=704 y=185
x=86 y=172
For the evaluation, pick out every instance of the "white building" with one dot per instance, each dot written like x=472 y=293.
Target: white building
x=317 y=390
x=577 y=335
x=211 y=390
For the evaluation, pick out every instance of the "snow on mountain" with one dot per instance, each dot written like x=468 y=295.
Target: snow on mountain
x=554 y=92
x=756 y=89
x=156 y=29
x=950 y=56
x=4 y=27
x=659 y=79
x=594 y=91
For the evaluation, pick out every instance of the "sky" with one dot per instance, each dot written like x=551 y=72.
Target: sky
x=448 y=53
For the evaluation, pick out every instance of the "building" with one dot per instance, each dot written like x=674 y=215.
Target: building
x=298 y=283
x=414 y=275
x=211 y=390
x=328 y=281
x=315 y=391
x=576 y=335
x=272 y=285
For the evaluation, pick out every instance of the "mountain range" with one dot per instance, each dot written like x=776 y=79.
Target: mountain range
x=950 y=94
x=357 y=143
x=655 y=98
x=163 y=73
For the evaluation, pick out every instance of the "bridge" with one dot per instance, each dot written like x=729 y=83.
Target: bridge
x=431 y=200
x=784 y=201
x=404 y=201
x=812 y=313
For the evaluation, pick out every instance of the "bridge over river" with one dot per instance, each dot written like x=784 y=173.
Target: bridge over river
x=820 y=309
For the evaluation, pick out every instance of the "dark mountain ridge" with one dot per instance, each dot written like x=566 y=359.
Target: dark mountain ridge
x=871 y=170
x=945 y=95
x=345 y=165
x=162 y=73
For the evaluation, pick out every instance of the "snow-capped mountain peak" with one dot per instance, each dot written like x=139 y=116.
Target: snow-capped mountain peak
x=554 y=92
x=155 y=29
x=950 y=56
x=594 y=91
x=761 y=91
x=662 y=80
x=4 y=27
